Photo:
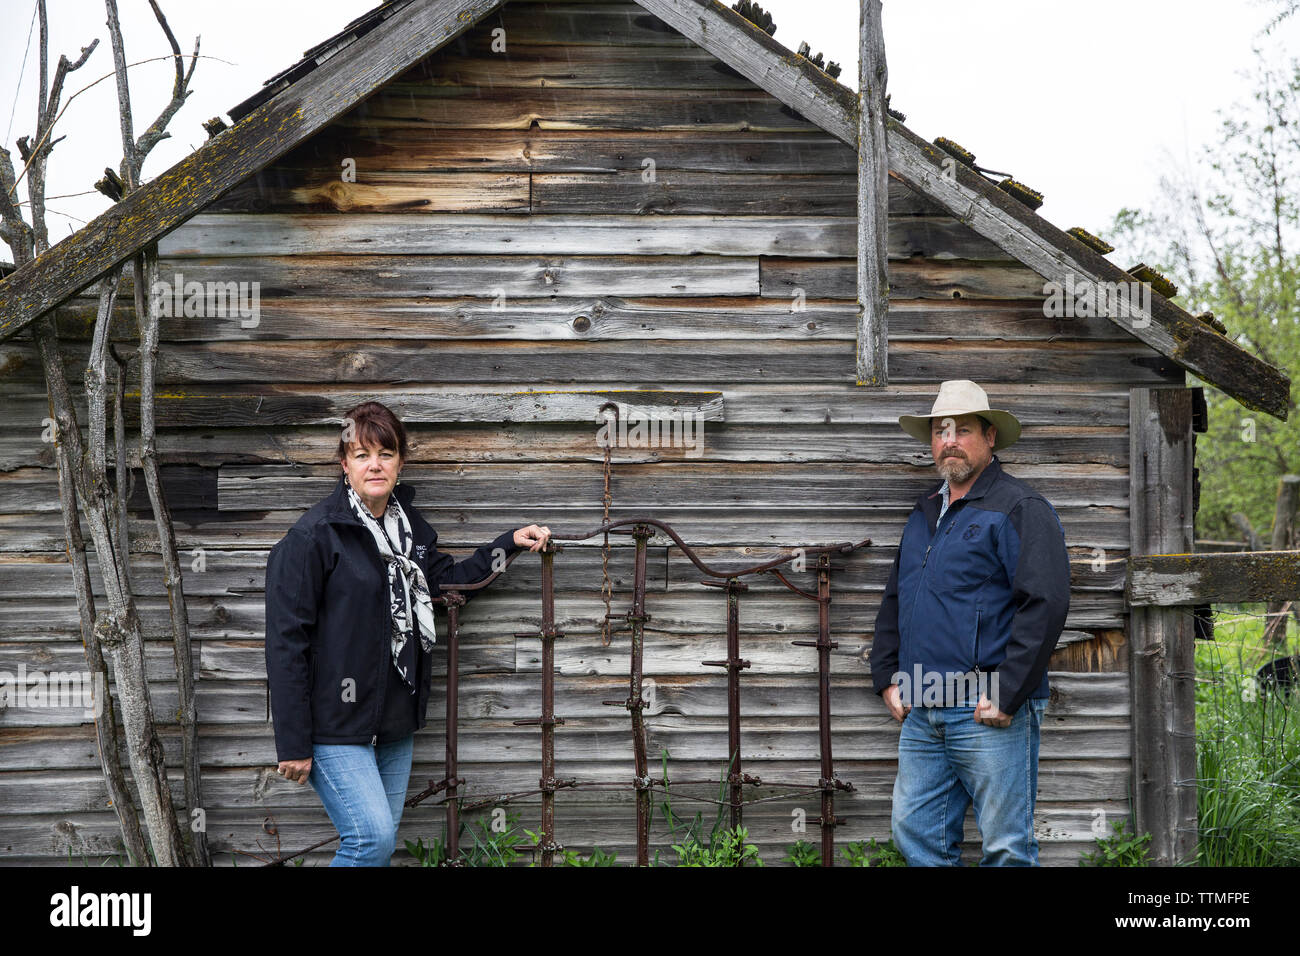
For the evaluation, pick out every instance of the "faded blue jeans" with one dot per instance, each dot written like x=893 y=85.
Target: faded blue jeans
x=946 y=761
x=363 y=789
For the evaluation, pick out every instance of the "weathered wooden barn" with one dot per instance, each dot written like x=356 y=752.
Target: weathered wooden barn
x=495 y=217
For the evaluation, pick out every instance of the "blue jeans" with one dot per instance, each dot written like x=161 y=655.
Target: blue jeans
x=363 y=789
x=946 y=761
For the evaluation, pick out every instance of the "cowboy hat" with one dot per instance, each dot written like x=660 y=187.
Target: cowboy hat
x=962 y=397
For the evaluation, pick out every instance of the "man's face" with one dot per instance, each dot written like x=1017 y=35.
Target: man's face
x=959 y=446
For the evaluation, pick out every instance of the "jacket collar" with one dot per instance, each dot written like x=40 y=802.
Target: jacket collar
x=339 y=509
x=992 y=471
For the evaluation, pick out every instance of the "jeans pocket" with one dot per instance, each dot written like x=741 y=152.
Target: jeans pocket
x=1038 y=707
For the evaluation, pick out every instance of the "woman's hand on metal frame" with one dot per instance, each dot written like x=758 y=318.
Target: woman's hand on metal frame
x=534 y=537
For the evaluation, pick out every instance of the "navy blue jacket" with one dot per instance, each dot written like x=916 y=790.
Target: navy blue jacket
x=328 y=623
x=987 y=587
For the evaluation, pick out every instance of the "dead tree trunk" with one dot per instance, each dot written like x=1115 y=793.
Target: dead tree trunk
x=68 y=434
x=134 y=153
x=84 y=472
x=146 y=269
x=26 y=242
x=1247 y=531
x=119 y=627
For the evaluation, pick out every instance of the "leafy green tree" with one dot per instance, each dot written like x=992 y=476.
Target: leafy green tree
x=1226 y=232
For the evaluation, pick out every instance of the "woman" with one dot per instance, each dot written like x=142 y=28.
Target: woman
x=349 y=630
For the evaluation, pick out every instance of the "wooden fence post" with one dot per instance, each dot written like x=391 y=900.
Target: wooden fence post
x=1161 y=640
x=1288 y=493
x=873 y=202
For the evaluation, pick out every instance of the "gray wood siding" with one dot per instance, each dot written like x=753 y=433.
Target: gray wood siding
x=499 y=246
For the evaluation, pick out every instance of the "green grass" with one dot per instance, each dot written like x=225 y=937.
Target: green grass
x=499 y=841
x=721 y=846
x=1247 y=749
x=1121 y=848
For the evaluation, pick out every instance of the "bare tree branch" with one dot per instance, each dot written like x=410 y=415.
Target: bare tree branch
x=1247 y=531
x=1220 y=268
x=157 y=131
x=13 y=228
x=107 y=76
x=44 y=61
x=47 y=108
x=121 y=468
x=129 y=164
x=1274 y=178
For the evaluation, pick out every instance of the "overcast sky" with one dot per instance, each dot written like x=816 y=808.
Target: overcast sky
x=1086 y=102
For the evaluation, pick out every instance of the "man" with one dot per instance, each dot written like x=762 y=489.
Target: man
x=974 y=606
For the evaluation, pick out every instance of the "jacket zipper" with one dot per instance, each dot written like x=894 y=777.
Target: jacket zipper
x=384 y=652
x=372 y=548
x=925 y=558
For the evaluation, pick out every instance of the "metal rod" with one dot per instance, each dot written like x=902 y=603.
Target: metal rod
x=824 y=707
x=635 y=703
x=734 y=665
x=497 y=799
x=795 y=555
x=455 y=601
x=547 y=783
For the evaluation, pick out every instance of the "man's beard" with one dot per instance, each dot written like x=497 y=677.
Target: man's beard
x=955 y=470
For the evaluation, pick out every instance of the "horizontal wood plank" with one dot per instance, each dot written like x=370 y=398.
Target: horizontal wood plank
x=677 y=363
x=244 y=237
x=1167 y=580
x=412 y=149
x=606 y=318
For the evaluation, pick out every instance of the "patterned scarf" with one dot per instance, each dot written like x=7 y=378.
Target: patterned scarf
x=407 y=587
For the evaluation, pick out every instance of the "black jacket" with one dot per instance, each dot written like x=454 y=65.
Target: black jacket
x=990 y=598
x=328 y=627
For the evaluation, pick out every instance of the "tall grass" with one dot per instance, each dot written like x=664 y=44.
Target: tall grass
x=1247 y=750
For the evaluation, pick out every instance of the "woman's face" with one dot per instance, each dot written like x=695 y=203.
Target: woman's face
x=372 y=472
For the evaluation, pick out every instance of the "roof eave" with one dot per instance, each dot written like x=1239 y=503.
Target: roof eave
x=973 y=200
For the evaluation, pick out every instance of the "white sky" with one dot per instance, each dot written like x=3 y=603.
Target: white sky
x=1086 y=102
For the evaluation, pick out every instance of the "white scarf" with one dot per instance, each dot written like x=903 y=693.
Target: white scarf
x=405 y=581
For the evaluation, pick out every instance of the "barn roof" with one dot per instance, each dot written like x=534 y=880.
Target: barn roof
x=342 y=71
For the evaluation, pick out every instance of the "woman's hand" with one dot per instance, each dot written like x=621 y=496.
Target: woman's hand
x=295 y=770
x=533 y=537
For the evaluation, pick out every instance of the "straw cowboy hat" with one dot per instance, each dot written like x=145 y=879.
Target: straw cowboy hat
x=962 y=397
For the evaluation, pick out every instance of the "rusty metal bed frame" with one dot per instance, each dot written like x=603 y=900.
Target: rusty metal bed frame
x=640 y=529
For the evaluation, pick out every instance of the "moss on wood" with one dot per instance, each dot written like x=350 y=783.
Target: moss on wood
x=1095 y=243
x=1019 y=191
x=1145 y=273
x=955 y=150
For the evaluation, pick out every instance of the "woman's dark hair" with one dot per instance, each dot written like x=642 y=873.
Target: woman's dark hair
x=373 y=424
